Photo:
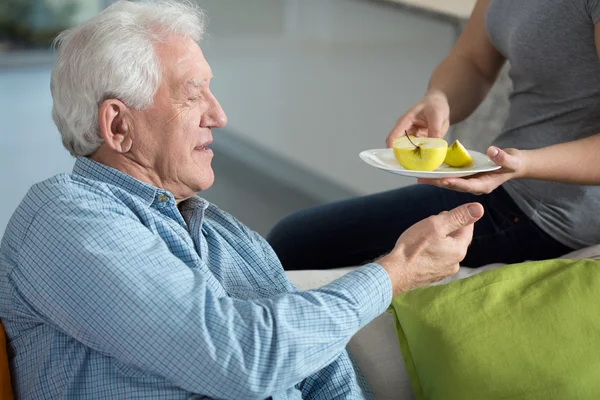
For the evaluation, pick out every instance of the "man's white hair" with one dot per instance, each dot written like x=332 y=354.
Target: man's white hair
x=112 y=56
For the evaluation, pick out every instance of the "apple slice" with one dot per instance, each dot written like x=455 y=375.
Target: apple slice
x=420 y=153
x=457 y=155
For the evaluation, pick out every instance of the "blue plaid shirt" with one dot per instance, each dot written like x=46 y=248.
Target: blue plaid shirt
x=108 y=290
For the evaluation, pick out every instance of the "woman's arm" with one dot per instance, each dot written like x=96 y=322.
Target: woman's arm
x=573 y=162
x=470 y=69
x=458 y=85
x=576 y=162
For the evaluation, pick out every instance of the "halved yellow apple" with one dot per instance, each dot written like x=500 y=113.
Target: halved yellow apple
x=420 y=153
x=457 y=155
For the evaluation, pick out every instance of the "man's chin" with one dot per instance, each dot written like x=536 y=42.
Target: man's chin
x=207 y=180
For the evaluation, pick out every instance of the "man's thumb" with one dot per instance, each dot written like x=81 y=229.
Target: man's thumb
x=462 y=216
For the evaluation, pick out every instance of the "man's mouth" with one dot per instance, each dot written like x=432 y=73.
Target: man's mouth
x=203 y=147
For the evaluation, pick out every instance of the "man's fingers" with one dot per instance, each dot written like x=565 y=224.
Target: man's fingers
x=460 y=217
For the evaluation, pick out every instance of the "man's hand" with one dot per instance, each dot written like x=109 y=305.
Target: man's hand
x=431 y=249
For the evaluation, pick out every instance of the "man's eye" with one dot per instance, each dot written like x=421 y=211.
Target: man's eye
x=192 y=98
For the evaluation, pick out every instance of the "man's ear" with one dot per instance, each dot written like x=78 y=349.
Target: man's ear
x=115 y=125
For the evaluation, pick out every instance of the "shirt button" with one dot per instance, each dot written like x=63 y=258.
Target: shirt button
x=162 y=197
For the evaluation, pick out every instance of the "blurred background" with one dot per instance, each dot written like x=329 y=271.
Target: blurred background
x=306 y=84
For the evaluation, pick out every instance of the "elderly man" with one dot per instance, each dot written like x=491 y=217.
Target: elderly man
x=118 y=281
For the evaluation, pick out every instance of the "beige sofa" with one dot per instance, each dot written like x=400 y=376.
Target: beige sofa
x=375 y=347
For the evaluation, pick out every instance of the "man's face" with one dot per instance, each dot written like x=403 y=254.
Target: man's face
x=171 y=138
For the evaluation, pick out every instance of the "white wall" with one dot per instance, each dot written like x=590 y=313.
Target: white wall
x=458 y=8
x=30 y=148
x=328 y=83
x=315 y=81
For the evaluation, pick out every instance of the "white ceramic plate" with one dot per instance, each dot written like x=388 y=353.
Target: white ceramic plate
x=384 y=159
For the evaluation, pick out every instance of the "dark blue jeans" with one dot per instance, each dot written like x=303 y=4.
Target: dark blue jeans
x=355 y=231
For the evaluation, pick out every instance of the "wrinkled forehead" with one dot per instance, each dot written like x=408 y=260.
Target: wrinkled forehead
x=194 y=69
x=183 y=63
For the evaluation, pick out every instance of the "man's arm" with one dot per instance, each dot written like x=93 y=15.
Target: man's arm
x=107 y=281
x=339 y=380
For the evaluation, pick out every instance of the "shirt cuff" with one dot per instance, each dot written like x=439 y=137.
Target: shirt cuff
x=371 y=288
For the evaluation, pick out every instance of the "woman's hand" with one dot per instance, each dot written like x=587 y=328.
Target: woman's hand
x=429 y=117
x=513 y=165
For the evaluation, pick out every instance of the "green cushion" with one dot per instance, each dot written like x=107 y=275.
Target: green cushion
x=525 y=331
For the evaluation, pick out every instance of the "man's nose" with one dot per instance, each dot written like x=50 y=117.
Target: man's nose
x=221 y=119
x=215 y=116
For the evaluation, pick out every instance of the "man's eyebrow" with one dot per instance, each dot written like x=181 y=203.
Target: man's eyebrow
x=198 y=83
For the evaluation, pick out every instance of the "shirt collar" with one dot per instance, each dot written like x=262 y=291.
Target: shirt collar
x=88 y=168
x=194 y=203
x=91 y=169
